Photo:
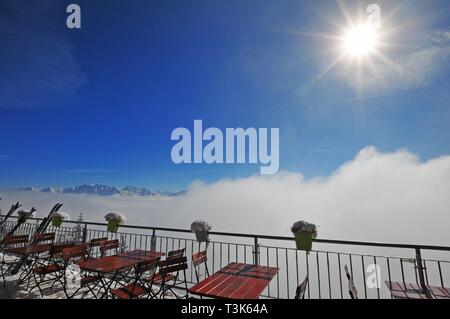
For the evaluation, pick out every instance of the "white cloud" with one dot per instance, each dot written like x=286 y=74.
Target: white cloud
x=39 y=67
x=387 y=197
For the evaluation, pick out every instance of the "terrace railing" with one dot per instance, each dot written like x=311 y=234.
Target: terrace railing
x=370 y=263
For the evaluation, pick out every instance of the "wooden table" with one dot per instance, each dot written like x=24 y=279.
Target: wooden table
x=114 y=266
x=142 y=254
x=236 y=281
x=107 y=264
x=401 y=290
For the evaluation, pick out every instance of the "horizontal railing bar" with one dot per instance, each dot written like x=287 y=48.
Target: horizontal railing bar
x=285 y=238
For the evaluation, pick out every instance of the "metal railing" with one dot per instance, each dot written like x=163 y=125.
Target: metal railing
x=370 y=263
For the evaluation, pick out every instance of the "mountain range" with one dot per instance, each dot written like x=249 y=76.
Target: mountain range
x=101 y=190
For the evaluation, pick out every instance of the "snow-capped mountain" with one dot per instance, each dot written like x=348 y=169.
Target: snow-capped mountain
x=55 y=190
x=92 y=189
x=131 y=190
x=101 y=190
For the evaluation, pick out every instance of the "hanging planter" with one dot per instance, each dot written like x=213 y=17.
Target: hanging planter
x=201 y=230
x=304 y=234
x=58 y=218
x=114 y=221
x=24 y=215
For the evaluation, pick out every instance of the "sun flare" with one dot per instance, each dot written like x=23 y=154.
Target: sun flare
x=360 y=40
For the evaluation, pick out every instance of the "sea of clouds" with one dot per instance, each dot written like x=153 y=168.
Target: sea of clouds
x=384 y=197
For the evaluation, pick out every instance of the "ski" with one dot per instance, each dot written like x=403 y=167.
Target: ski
x=15 y=228
x=46 y=221
x=13 y=208
x=39 y=230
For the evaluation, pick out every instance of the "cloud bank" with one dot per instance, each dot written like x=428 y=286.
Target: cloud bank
x=387 y=197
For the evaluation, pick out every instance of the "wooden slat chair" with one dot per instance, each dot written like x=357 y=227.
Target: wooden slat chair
x=301 y=289
x=7 y=262
x=199 y=259
x=90 y=282
x=94 y=246
x=168 y=276
x=351 y=285
x=50 y=269
x=109 y=245
x=138 y=287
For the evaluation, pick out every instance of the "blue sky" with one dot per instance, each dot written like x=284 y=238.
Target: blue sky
x=98 y=105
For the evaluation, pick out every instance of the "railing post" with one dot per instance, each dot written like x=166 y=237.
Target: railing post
x=256 y=252
x=420 y=270
x=85 y=233
x=153 y=241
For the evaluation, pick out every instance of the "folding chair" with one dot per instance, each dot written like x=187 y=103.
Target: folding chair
x=138 y=287
x=108 y=245
x=6 y=264
x=72 y=255
x=168 y=276
x=197 y=260
x=51 y=266
x=301 y=289
x=351 y=285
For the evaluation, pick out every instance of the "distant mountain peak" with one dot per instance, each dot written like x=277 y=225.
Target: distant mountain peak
x=101 y=190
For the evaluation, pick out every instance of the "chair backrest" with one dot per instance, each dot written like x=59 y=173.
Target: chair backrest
x=105 y=246
x=97 y=241
x=147 y=266
x=44 y=237
x=301 y=289
x=197 y=260
x=57 y=250
x=172 y=265
x=16 y=241
x=75 y=252
x=175 y=253
x=351 y=285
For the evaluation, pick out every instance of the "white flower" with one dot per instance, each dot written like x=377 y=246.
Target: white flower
x=115 y=216
x=302 y=226
x=62 y=215
x=200 y=225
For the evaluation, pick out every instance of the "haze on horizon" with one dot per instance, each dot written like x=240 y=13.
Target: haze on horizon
x=383 y=197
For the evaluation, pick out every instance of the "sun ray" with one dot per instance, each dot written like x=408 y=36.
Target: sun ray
x=318 y=76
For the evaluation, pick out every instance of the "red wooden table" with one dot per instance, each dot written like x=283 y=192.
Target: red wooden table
x=107 y=264
x=236 y=281
x=109 y=269
x=401 y=290
x=142 y=254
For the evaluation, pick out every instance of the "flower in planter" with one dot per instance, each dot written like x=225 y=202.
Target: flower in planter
x=201 y=230
x=304 y=234
x=58 y=218
x=24 y=215
x=114 y=221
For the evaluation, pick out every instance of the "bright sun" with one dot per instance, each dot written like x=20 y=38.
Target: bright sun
x=360 y=40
